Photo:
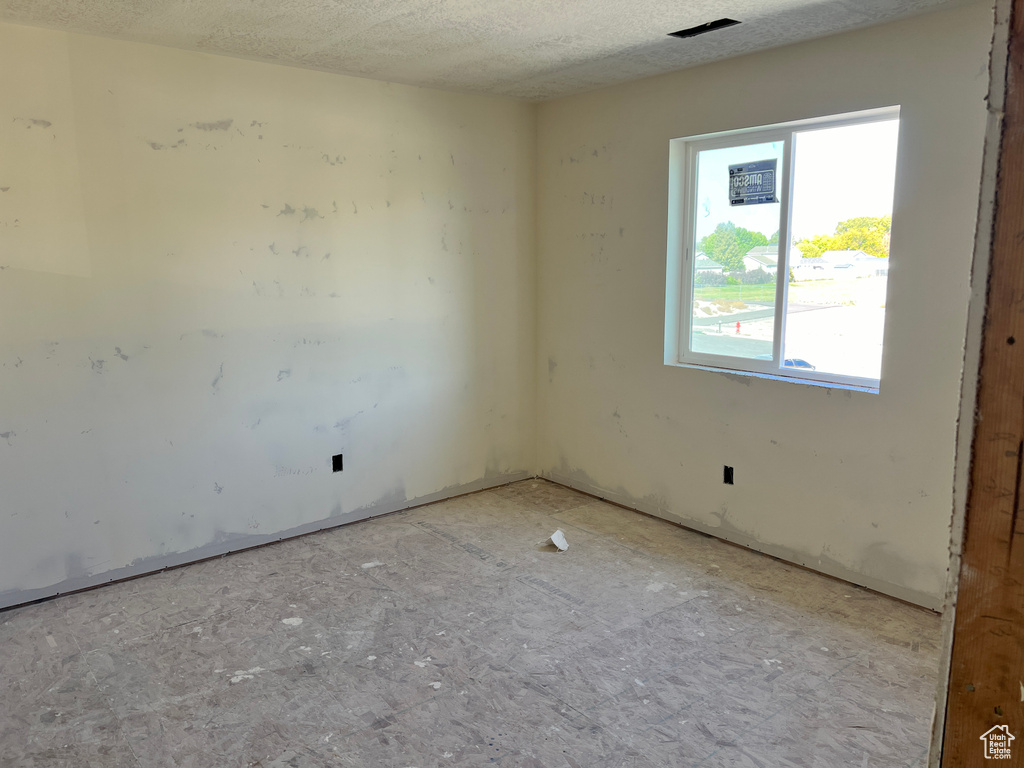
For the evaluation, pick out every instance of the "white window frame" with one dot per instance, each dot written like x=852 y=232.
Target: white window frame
x=681 y=246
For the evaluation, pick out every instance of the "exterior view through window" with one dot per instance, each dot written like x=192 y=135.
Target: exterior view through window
x=784 y=240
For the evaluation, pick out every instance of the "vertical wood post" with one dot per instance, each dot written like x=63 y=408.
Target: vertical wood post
x=986 y=676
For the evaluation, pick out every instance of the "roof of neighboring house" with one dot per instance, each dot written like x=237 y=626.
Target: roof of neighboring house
x=763 y=258
x=703 y=262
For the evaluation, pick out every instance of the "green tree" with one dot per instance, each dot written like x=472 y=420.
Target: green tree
x=861 y=233
x=813 y=247
x=728 y=244
x=865 y=233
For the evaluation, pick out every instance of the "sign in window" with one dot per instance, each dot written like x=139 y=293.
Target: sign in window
x=753 y=183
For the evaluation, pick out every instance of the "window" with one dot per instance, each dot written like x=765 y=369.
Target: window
x=778 y=243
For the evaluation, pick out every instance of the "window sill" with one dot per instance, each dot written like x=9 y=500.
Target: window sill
x=792 y=379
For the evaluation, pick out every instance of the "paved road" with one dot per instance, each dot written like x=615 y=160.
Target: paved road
x=761 y=312
x=734 y=346
x=740 y=317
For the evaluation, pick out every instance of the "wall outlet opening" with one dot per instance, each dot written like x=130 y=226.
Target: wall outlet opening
x=336 y=463
x=700 y=29
x=727 y=475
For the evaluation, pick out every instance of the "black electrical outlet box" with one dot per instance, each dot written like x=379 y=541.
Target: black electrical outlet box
x=336 y=463
x=700 y=29
x=727 y=475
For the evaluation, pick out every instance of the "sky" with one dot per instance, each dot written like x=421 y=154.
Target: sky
x=839 y=173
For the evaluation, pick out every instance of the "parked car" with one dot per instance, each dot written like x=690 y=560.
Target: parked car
x=790 y=362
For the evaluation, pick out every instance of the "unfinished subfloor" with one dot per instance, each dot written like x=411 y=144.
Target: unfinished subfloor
x=449 y=635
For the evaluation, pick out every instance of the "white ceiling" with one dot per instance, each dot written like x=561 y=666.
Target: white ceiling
x=532 y=49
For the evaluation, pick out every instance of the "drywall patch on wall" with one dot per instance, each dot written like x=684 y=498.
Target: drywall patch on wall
x=220 y=125
x=847 y=482
x=193 y=384
x=42 y=217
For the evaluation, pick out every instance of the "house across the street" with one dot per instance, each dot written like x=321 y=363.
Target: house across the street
x=834 y=265
x=705 y=265
x=764 y=257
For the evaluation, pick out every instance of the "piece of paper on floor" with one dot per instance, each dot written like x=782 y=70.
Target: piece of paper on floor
x=558 y=539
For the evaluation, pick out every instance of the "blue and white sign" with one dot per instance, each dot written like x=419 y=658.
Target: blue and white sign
x=752 y=183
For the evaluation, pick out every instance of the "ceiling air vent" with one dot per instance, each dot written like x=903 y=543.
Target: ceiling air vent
x=702 y=28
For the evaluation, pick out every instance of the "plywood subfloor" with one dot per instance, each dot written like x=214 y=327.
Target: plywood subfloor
x=449 y=636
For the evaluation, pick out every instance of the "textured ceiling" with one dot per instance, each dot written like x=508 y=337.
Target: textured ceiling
x=533 y=49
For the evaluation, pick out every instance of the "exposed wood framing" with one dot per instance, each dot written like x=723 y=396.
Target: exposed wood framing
x=986 y=676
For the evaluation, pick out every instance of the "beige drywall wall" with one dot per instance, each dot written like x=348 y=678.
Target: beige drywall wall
x=215 y=274
x=849 y=483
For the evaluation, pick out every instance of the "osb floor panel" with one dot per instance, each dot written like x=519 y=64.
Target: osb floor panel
x=449 y=635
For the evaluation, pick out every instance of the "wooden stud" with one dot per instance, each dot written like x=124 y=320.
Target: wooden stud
x=986 y=677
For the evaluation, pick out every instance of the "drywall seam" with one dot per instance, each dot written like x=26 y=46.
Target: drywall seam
x=535 y=246
x=976 y=309
x=232 y=543
x=825 y=566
